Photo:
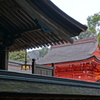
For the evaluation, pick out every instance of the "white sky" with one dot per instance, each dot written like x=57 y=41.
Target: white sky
x=79 y=9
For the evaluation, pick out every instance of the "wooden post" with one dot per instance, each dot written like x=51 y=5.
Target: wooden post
x=4 y=58
x=33 y=66
x=53 y=70
x=25 y=59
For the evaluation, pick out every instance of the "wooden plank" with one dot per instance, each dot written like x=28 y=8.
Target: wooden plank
x=37 y=39
x=35 y=14
x=9 y=16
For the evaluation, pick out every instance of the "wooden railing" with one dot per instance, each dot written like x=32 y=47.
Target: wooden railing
x=43 y=70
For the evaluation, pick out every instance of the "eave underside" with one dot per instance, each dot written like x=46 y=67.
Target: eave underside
x=26 y=24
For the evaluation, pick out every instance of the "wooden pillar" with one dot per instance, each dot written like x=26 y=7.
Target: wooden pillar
x=53 y=70
x=33 y=66
x=25 y=59
x=4 y=58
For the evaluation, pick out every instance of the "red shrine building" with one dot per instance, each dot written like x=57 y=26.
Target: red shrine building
x=80 y=60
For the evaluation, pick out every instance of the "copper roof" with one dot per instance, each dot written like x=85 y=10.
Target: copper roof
x=28 y=24
x=80 y=50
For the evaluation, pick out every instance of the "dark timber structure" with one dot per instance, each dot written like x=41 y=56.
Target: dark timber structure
x=28 y=24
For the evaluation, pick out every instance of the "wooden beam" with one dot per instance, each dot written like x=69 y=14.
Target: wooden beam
x=25 y=30
x=48 y=22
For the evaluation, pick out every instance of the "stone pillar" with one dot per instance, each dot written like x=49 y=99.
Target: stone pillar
x=4 y=58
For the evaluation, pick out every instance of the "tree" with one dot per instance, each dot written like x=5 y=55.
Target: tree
x=37 y=54
x=94 y=25
x=18 y=56
x=84 y=35
x=93 y=22
x=43 y=52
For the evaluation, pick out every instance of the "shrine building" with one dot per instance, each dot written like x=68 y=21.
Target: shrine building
x=80 y=60
x=26 y=24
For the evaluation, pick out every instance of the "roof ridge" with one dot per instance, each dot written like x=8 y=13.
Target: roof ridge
x=82 y=41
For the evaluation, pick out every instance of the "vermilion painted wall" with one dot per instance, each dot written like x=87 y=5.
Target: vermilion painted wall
x=87 y=70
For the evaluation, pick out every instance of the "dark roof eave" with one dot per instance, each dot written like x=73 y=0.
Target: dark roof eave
x=70 y=19
x=18 y=20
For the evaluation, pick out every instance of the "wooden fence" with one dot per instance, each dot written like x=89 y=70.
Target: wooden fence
x=44 y=70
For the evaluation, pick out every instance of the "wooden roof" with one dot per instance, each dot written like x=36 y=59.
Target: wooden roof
x=28 y=24
x=79 y=50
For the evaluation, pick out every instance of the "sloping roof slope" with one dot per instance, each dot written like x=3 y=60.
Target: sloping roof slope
x=32 y=23
x=79 y=50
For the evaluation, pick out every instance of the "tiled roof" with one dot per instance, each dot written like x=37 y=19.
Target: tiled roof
x=79 y=50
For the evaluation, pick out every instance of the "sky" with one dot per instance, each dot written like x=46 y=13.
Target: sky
x=79 y=9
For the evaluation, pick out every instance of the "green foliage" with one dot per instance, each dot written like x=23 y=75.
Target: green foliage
x=93 y=28
x=94 y=23
x=17 y=56
x=43 y=52
x=98 y=38
x=84 y=35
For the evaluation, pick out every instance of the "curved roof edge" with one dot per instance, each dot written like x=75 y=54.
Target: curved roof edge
x=77 y=60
